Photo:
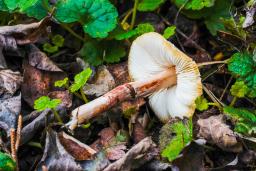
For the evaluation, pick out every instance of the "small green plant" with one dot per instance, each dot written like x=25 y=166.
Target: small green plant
x=183 y=136
x=98 y=17
x=169 y=32
x=149 y=5
x=57 y=42
x=6 y=162
x=203 y=104
x=238 y=90
x=44 y=102
x=243 y=119
x=79 y=81
x=242 y=66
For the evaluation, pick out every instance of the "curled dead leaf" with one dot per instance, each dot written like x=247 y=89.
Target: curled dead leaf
x=215 y=131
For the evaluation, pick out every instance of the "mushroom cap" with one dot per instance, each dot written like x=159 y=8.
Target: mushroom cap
x=151 y=54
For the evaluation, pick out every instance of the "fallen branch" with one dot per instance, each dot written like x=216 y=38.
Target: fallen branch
x=139 y=154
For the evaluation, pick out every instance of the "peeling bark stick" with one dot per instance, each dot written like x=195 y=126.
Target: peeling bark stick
x=121 y=93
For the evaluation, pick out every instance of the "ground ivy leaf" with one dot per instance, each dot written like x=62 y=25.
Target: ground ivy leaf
x=3 y=7
x=50 y=48
x=58 y=40
x=194 y=4
x=149 y=5
x=45 y=102
x=244 y=120
x=98 y=52
x=169 y=32
x=19 y=4
x=38 y=10
x=80 y=79
x=6 y=162
x=201 y=103
x=239 y=89
x=98 y=17
x=139 y=30
x=243 y=66
x=182 y=138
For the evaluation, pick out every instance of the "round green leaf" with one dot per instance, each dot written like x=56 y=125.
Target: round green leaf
x=19 y=4
x=98 y=17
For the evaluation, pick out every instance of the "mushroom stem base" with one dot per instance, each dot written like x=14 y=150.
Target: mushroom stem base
x=122 y=93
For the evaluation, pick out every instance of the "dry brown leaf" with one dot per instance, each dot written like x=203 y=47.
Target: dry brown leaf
x=9 y=82
x=76 y=148
x=215 y=131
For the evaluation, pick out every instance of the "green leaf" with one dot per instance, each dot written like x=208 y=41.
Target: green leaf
x=19 y=4
x=3 y=7
x=98 y=52
x=38 y=10
x=184 y=135
x=194 y=4
x=98 y=17
x=169 y=32
x=61 y=83
x=139 y=30
x=58 y=40
x=149 y=5
x=239 y=89
x=245 y=120
x=6 y=162
x=45 y=102
x=80 y=79
x=201 y=103
x=235 y=27
x=50 y=48
x=242 y=66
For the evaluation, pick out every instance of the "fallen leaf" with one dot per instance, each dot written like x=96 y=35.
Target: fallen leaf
x=9 y=110
x=119 y=72
x=138 y=155
x=116 y=152
x=102 y=83
x=9 y=83
x=106 y=135
x=55 y=156
x=76 y=148
x=215 y=131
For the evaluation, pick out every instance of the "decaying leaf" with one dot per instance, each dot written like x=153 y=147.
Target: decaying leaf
x=76 y=148
x=215 y=131
x=139 y=154
x=9 y=110
x=55 y=156
x=40 y=74
x=10 y=82
x=101 y=84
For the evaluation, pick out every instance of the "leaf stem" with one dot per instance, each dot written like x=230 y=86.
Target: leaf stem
x=233 y=101
x=212 y=62
x=127 y=16
x=136 y=2
x=72 y=32
x=83 y=95
x=57 y=116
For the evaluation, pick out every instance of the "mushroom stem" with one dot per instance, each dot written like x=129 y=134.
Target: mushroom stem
x=121 y=93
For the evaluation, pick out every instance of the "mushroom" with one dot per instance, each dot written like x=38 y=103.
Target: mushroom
x=159 y=70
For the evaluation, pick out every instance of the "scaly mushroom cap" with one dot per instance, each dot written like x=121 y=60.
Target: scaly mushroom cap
x=151 y=54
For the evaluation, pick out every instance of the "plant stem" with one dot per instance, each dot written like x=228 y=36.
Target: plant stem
x=57 y=116
x=233 y=101
x=72 y=32
x=212 y=62
x=75 y=93
x=134 y=13
x=83 y=95
x=126 y=16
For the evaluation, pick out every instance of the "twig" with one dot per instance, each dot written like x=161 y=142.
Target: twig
x=13 y=149
x=18 y=133
x=212 y=62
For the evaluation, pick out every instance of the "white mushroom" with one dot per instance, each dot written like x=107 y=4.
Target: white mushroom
x=151 y=55
x=159 y=70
